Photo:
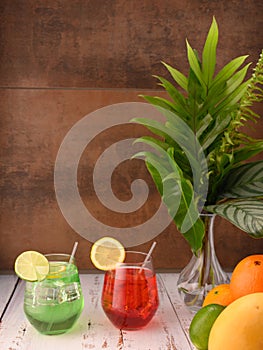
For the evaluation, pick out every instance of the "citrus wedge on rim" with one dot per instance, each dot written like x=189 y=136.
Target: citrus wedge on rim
x=106 y=252
x=31 y=266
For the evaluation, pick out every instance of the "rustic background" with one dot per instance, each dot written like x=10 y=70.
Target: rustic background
x=61 y=60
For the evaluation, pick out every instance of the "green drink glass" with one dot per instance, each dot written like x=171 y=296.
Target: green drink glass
x=53 y=305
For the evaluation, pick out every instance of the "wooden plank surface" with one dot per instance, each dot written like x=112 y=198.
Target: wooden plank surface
x=7 y=285
x=183 y=315
x=167 y=330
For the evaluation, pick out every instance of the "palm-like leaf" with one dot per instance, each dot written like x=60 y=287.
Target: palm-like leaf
x=201 y=142
x=209 y=54
x=177 y=76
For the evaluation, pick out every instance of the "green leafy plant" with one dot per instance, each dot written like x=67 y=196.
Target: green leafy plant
x=199 y=157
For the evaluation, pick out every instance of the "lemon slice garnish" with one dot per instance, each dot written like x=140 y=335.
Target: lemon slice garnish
x=106 y=252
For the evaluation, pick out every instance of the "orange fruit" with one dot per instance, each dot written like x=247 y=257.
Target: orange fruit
x=239 y=326
x=247 y=276
x=219 y=295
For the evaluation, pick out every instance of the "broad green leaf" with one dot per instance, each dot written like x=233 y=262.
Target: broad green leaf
x=160 y=159
x=160 y=167
x=179 y=104
x=180 y=79
x=160 y=130
x=232 y=99
x=159 y=102
x=226 y=97
x=188 y=141
x=186 y=216
x=209 y=53
x=156 y=127
x=179 y=131
x=248 y=151
x=156 y=177
x=245 y=181
x=195 y=236
x=164 y=103
x=195 y=98
x=195 y=65
x=233 y=83
x=221 y=123
x=203 y=125
x=179 y=155
x=159 y=163
x=227 y=71
x=177 y=193
x=246 y=214
x=172 y=91
x=151 y=140
x=231 y=86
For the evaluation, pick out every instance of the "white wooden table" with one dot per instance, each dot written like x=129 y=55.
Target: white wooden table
x=168 y=330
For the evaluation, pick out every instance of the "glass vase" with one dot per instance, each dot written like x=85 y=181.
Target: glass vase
x=203 y=272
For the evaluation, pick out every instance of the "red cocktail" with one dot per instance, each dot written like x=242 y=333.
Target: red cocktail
x=130 y=296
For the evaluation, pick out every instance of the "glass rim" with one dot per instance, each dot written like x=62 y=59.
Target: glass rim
x=135 y=263
x=136 y=252
x=61 y=260
x=62 y=255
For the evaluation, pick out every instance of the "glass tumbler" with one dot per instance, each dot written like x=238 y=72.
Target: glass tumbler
x=53 y=305
x=130 y=295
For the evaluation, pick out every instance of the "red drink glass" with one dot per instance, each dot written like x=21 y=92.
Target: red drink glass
x=130 y=295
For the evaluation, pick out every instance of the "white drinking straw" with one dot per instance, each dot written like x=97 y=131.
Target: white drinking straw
x=73 y=252
x=148 y=256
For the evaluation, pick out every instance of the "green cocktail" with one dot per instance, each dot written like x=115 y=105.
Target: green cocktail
x=53 y=305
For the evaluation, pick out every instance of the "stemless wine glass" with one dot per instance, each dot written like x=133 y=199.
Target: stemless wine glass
x=53 y=305
x=130 y=295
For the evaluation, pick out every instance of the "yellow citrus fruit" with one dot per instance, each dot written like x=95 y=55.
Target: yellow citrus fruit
x=106 y=253
x=220 y=294
x=202 y=323
x=239 y=326
x=31 y=266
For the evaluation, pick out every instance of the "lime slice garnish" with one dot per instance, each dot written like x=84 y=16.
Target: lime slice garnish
x=106 y=253
x=31 y=266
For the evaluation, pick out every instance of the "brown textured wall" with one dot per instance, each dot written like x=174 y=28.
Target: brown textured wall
x=61 y=60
